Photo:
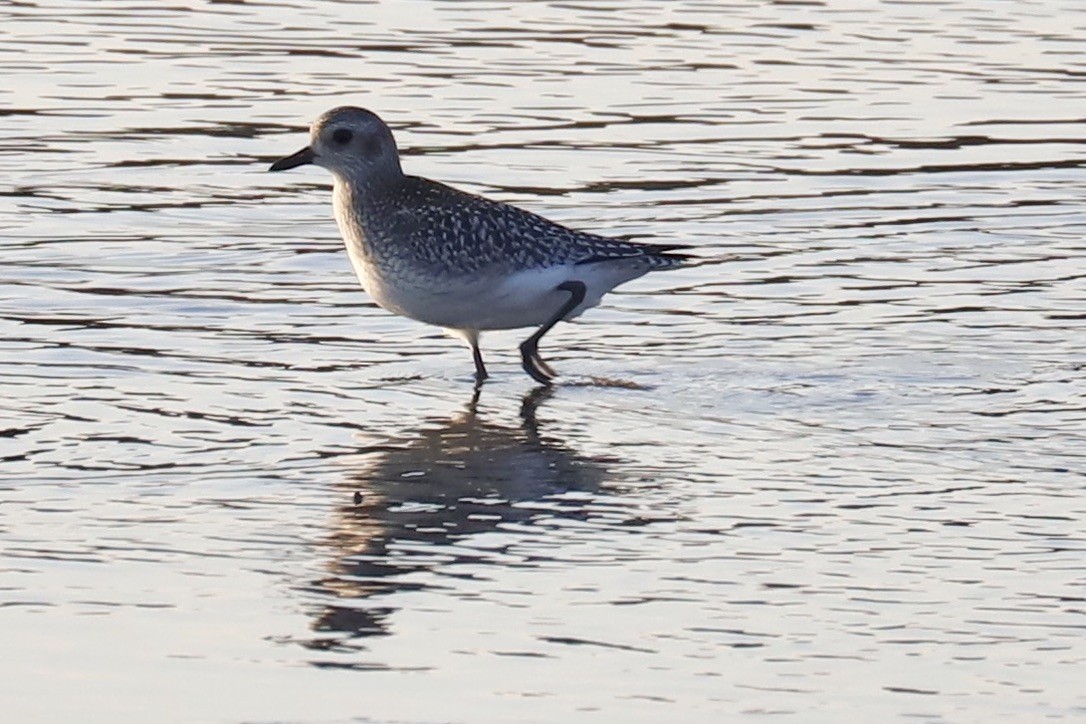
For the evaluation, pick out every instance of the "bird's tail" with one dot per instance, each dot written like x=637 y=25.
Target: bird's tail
x=668 y=256
x=658 y=256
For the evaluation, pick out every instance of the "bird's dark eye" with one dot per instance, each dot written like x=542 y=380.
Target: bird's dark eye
x=341 y=136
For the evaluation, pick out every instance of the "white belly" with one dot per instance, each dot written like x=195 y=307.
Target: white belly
x=524 y=299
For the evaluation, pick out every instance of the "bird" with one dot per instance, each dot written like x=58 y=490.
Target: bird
x=457 y=260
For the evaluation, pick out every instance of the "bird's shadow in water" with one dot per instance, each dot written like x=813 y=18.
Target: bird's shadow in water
x=409 y=500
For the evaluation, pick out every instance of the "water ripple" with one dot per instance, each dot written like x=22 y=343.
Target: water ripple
x=838 y=460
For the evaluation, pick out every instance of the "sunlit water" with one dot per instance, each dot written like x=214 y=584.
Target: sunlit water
x=851 y=489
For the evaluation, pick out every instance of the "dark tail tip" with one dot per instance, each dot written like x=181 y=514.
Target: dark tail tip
x=669 y=255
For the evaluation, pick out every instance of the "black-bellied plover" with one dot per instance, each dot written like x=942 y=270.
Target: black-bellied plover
x=442 y=256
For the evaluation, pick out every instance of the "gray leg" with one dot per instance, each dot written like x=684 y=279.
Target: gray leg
x=539 y=370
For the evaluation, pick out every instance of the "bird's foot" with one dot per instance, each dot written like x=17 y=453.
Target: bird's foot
x=536 y=368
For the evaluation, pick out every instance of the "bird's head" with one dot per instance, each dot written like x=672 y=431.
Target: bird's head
x=352 y=143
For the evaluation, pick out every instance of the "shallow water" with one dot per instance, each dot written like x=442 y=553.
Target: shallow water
x=846 y=481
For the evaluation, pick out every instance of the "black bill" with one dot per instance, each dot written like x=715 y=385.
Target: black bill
x=297 y=159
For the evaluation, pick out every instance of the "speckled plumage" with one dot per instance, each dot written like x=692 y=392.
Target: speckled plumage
x=461 y=261
x=448 y=231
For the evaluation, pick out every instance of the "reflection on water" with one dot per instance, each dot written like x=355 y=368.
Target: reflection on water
x=844 y=472
x=415 y=496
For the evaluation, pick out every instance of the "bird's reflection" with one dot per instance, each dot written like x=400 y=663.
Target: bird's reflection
x=410 y=499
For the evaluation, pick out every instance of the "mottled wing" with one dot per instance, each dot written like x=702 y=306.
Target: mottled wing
x=464 y=233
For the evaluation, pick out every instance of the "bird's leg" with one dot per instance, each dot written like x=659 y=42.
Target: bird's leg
x=539 y=370
x=530 y=361
x=480 y=368
x=543 y=366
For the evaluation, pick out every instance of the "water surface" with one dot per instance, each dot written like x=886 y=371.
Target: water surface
x=850 y=487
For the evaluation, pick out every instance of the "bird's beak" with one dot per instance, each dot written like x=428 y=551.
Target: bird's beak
x=297 y=159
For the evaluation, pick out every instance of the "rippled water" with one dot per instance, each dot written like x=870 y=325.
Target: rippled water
x=234 y=490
